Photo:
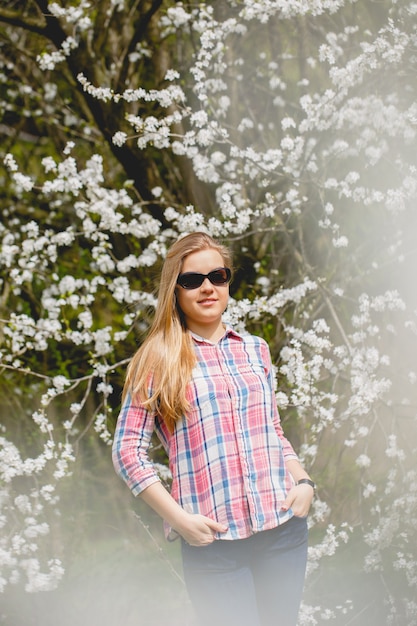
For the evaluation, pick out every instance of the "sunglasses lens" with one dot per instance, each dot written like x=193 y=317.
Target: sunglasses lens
x=220 y=277
x=190 y=280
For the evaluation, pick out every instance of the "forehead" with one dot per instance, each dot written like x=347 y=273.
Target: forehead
x=202 y=261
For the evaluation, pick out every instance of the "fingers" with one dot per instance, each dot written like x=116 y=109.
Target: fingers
x=299 y=500
x=201 y=530
x=216 y=526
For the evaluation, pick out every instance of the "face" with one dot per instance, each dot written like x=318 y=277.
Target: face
x=203 y=307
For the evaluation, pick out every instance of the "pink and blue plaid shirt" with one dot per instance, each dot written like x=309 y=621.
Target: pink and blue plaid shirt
x=227 y=456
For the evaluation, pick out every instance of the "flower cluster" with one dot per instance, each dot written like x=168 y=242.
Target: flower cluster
x=24 y=517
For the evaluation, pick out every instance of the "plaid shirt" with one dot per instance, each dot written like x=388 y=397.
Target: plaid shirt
x=227 y=457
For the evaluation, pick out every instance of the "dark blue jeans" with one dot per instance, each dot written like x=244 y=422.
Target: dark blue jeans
x=249 y=582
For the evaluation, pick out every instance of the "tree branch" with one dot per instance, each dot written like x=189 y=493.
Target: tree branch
x=15 y=19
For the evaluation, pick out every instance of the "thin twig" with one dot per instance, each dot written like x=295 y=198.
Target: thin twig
x=161 y=553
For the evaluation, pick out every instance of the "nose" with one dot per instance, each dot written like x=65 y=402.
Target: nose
x=206 y=285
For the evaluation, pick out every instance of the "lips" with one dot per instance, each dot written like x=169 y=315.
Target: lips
x=207 y=301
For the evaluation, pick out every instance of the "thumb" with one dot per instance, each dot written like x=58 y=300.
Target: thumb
x=287 y=503
x=217 y=526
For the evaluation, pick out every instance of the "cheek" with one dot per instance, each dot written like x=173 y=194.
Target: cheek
x=182 y=299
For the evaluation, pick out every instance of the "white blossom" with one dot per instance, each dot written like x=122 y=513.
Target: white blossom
x=119 y=138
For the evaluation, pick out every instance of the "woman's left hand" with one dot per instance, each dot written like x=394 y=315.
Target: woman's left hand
x=299 y=499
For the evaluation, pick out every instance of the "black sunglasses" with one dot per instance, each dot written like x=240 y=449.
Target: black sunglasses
x=192 y=280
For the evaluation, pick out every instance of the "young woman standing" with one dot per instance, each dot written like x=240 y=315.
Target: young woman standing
x=239 y=497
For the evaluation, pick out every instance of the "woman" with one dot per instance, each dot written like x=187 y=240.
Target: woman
x=239 y=496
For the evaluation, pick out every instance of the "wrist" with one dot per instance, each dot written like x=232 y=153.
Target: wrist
x=181 y=521
x=307 y=481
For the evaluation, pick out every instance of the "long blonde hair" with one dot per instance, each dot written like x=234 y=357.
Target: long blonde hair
x=160 y=370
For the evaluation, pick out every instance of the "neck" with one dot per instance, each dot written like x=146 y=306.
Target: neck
x=211 y=333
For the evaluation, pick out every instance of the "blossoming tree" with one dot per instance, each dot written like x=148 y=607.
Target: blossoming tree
x=286 y=128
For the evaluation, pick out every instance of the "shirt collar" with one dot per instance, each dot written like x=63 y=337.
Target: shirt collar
x=228 y=332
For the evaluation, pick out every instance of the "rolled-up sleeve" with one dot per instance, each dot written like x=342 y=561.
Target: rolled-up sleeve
x=132 y=438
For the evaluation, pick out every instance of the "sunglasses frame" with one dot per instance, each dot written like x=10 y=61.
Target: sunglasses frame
x=204 y=276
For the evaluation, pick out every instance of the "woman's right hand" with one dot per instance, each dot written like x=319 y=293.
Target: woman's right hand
x=198 y=530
